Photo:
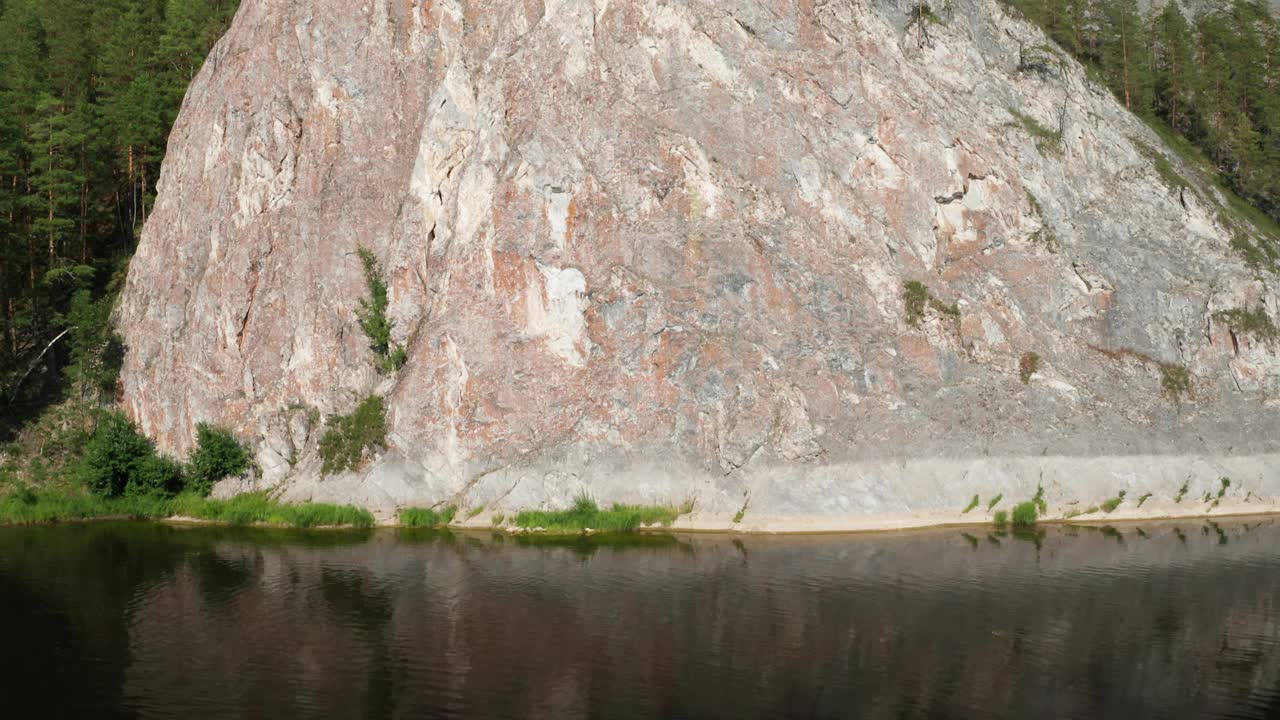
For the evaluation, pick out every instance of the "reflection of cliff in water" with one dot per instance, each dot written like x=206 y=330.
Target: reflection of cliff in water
x=1166 y=621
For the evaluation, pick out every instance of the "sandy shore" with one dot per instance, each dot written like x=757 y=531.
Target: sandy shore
x=798 y=525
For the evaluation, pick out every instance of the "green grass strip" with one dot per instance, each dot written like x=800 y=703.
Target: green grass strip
x=585 y=514
x=427 y=517
x=248 y=509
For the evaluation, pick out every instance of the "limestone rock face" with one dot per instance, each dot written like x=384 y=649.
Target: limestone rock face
x=656 y=251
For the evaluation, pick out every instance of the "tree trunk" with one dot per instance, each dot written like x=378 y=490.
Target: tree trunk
x=84 y=222
x=1124 y=49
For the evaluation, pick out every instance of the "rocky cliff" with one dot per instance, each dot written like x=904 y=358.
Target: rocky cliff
x=657 y=251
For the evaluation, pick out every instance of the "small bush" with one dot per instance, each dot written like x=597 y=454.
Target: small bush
x=158 y=476
x=1143 y=499
x=1175 y=380
x=373 y=316
x=1040 y=59
x=1182 y=492
x=972 y=504
x=1039 y=500
x=1047 y=140
x=1249 y=322
x=114 y=455
x=916 y=296
x=394 y=360
x=1226 y=483
x=1025 y=515
x=1110 y=505
x=343 y=446
x=218 y=455
x=1002 y=518
x=1028 y=365
x=1047 y=238
x=994 y=500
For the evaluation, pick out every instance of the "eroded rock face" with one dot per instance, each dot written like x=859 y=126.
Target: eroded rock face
x=656 y=251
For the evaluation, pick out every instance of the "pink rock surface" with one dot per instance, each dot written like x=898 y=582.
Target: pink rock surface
x=657 y=251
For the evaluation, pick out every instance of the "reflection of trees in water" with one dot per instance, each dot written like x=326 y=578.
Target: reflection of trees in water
x=220 y=578
x=357 y=597
x=65 y=598
x=924 y=625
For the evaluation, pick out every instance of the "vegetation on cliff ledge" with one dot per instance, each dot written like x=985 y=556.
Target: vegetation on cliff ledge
x=1254 y=322
x=373 y=317
x=1028 y=365
x=917 y=299
x=344 y=444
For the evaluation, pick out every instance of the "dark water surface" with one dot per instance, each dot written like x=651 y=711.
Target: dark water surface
x=137 y=620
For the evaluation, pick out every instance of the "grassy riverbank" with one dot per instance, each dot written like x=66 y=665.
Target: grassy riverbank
x=250 y=509
x=586 y=515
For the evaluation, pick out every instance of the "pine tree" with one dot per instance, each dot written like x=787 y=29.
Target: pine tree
x=1176 y=76
x=1124 y=54
x=56 y=177
x=88 y=92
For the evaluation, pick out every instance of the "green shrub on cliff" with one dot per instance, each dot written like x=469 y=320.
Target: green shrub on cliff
x=1249 y=322
x=1028 y=365
x=915 y=295
x=917 y=298
x=1047 y=140
x=373 y=317
x=218 y=455
x=343 y=445
x=1175 y=379
x=114 y=455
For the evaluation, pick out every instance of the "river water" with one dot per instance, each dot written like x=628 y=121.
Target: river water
x=142 y=620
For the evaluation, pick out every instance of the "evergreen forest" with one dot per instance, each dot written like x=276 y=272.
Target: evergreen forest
x=1209 y=83
x=88 y=92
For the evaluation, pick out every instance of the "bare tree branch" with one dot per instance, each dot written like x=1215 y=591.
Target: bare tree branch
x=13 y=391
